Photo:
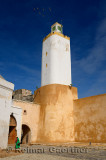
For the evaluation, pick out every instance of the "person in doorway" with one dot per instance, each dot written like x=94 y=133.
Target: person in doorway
x=17 y=146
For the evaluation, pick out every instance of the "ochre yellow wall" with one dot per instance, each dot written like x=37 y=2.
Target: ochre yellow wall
x=56 y=113
x=31 y=119
x=58 y=116
x=90 y=119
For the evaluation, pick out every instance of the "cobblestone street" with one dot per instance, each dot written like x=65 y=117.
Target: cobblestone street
x=38 y=152
x=38 y=157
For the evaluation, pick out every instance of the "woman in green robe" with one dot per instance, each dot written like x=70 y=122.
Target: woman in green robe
x=17 y=146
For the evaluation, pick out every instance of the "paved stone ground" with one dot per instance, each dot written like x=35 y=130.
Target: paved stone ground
x=37 y=157
x=59 y=153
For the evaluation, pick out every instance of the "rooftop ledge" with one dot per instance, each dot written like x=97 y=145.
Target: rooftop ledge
x=56 y=33
x=6 y=84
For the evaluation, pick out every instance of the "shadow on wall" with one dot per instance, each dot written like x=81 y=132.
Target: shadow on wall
x=12 y=130
x=25 y=134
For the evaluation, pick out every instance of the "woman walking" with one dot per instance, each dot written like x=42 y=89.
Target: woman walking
x=17 y=146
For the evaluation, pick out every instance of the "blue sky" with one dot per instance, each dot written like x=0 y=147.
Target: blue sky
x=24 y=24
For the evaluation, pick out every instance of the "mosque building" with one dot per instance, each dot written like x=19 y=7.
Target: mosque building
x=54 y=114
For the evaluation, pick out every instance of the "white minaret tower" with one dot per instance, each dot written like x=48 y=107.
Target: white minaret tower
x=56 y=60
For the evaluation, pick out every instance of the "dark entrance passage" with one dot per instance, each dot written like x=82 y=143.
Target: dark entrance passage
x=12 y=130
x=26 y=134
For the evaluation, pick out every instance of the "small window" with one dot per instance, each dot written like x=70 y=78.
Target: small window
x=46 y=53
x=54 y=28
x=25 y=112
x=59 y=28
x=46 y=65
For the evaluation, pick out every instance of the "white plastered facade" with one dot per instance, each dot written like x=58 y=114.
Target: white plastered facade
x=6 y=109
x=56 y=61
x=6 y=89
x=17 y=113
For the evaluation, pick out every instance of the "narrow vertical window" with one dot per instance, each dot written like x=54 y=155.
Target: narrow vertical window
x=46 y=53
x=54 y=28
x=46 y=65
x=25 y=112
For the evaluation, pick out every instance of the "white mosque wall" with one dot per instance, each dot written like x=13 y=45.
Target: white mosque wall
x=56 y=61
x=6 y=89
x=17 y=113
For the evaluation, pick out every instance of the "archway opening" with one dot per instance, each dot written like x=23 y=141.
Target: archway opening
x=12 y=130
x=26 y=134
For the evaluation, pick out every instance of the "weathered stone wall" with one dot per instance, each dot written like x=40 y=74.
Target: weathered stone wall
x=56 y=123
x=90 y=119
x=64 y=118
x=23 y=94
x=58 y=116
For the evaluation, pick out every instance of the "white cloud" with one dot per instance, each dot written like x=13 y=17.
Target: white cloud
x=97 y=54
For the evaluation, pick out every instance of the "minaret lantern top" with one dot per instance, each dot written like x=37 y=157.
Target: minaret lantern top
x=56 y=27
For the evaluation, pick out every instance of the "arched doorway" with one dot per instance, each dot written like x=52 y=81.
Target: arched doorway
x=12 y=130
x=26 y=134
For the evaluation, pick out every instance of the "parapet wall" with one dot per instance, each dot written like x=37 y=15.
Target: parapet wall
x=23 y=94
